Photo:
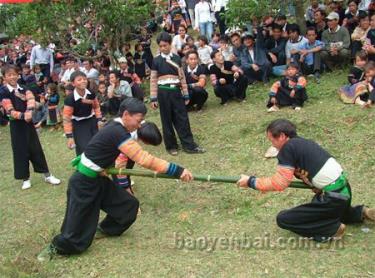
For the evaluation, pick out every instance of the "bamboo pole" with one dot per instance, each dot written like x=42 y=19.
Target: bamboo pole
x=204 y=178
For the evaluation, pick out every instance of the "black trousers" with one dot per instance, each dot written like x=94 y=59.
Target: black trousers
x=261 y=75
x=26 y=147
x=114 y=105
x=283 y=98
x=198 y=96
x=321 y=218
x=315 y=67
x=85 y=198
x=220 y=19
x=174 y=115
x=138 y=92
x=83 y=131
x=228 y=91
x=46 y=70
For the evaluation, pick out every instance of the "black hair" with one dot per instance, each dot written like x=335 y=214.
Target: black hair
x=293 y=27
x=191 y=52
x=281 y=17
x=311 y=28
x=322 y=12
x=133 y=106
x=213 y=54
x=276 y=26
x=362 y=15
x=9 y=68
x=76 y=74
x=203 y=38
x=164 y=37
x=279 y=126
x=116 y=73
x=183 y=26
x=52 y=87
x=150 y=134
x=224 y=39
x=362 y=54
x=235 y=35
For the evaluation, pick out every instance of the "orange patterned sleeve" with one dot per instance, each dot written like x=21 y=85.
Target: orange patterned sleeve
x=154 y=85
x=184 y=86
x=67 y=121
x=96 y=108
x=301 y=83
x=278 y=182
x=9 y=109
x=30 y=100
x=275 y=88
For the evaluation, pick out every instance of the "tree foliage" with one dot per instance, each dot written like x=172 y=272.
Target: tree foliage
x=90 y=23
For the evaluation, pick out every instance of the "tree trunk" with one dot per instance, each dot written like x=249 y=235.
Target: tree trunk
x=300 y=16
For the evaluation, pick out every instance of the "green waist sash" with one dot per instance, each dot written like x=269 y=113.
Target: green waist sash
x=340 y=186
x=84 y=170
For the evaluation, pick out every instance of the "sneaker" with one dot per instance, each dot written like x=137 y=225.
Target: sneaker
x=340 y=232
x=26 y=184
x=359 y=101
x=271 y=152
x=273 y=109
x=52 y=180
x=47 y=253
x=173 y=152
x=368 y=214
x=297 y=108
x=195 y=150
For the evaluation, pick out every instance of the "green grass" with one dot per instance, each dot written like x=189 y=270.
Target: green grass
x=235 y=141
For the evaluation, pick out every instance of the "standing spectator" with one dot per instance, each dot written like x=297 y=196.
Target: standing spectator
x=203 y=19
x=140 y=61
x=310 y=12
x=42 y=55
x=190 y=4
x=220 y=7
x=336 y=41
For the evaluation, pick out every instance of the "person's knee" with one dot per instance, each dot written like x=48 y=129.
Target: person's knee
x=281 y=219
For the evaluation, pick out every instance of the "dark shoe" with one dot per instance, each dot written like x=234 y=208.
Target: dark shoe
x=195 y=150
x=47 y=253
x=173 y=152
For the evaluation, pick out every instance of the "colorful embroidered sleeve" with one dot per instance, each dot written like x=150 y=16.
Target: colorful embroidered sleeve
x=201 y=81
x=134 y=151
x=96 y=108
x=275 y=88
x=9 y=109
x=278 y=182
x=184 y=87
x=67 y=121
x=301 y=83
x=154 y=85
x=30 y=100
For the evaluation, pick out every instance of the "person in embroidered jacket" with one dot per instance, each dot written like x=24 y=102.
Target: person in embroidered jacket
x=168 y=89
x=324 y=218
x=81 y=114
x=90 y=190
x=19 y=105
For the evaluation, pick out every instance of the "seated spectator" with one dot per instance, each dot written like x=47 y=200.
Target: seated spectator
x=179 y=40
x=237 y=48
x=370 y=78
x=196 y=81
x=289 y=91
x=310 y=12
x=70 y=64
x=91 y=72
x=337 y=7
x=132 y=78
x=225 y=48
x=190 y=41
x=204 y=51
x=359 y=34
x=254 y=62
x=185 y=49
x=356 y=90
x=282 y=21
x=214 y=43
x=351 y=19
x=310 y=54
x=369 y=44
x=140 y=61
x=275 y=48
x=320 y=23
x=336 y=41
x=294 y=44
x=118 y=90
x=227 y=79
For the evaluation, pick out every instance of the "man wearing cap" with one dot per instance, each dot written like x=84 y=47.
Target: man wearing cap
x=337 y=42
x=131 y=77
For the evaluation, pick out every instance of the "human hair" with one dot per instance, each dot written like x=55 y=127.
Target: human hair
x=276 y=26
x=9 y=68
x=311 y=28
x=279 y=126
x=213 y=54
x=322 y=13
x=137 y=45
x=362 y=55
x=293 y=27
x=149 y=133
x=52 y=87
x=235 y=35
x=216 y=34
x=76 y=74
x=191 y=52
x=281 y=17
x=370 y=66
x=116 y=73
x=362 y=15
x=183 y=26
x=224 y=39
x=203 y=39
x=133 y=106
x=164 y=37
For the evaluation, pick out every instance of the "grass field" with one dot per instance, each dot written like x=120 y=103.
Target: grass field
x=208 y=216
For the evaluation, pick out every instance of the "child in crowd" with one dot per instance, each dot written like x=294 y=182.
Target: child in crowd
x=225 y=48
x=103 y=98
x=184 y=50
x=289 y=91
x=215 y=41
x=204 y=51
x=356 y=90
x=52 y=98
x=190 y=41
x=140 y=61
x=19 y=105
x=196 y=81
x=149 y=134
x=370 y=79
x=81 y=114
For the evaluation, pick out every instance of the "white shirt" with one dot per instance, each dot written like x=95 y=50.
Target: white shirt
x=91 y=74
x=177 y=42
x=251 y=52
x=11 y=88
x=202 y=13
x=193 y=71
x=77 y=96
x=218 y=4
x=41 y=55
x=205 y=54
x=67 y=74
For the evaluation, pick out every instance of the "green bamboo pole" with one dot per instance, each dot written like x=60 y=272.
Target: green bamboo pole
x=224 y=179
